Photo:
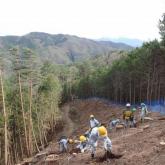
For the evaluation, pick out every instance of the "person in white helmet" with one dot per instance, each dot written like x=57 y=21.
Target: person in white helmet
x=128 y=115
x=99 y=133
x=93 y=122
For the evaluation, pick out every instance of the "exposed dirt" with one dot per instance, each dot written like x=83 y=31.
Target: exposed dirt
x=131 y=146
x=69 y=124
x=108 y=155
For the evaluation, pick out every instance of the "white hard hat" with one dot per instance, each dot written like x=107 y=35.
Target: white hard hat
x=128 y=105
x=91 y=116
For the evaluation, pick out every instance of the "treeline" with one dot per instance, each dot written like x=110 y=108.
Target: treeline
x=137 y=76
x=29 y=94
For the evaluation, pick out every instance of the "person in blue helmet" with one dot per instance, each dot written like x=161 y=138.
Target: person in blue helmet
x=144 y=112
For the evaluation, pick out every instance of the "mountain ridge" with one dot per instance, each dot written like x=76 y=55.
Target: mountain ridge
x=60 y=48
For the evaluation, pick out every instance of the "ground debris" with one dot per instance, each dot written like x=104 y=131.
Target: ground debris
x=40 y=154
x=75 y=150
x=145 y=127
x=162 y=143
x=148 y=118
x=120 y=126
x=161 y=118
x=132 y=146
x=109 y=155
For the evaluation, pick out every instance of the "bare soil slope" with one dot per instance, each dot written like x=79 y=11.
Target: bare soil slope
x=140 y=146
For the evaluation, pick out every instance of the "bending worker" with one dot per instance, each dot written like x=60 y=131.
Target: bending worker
x=93 y=122
x=83 y=143
x=63 y=143
x=99 y=133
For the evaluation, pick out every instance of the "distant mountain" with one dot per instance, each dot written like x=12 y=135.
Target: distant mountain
x=60 y=48
x=127 y=41
x=116 y=45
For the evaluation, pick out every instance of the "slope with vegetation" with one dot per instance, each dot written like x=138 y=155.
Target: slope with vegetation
x=30 y=94
x=137 y=76
x=61 y=49
x=29 y=99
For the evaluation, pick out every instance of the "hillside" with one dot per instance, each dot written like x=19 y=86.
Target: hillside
x=133 y=143
x=61 y=49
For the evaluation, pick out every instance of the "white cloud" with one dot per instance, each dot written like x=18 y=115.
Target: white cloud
x=86 y=18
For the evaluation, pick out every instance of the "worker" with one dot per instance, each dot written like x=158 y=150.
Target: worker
x=87 y=133
x=99 y=133
x=93 y=122
x=133 y=119
x=63 y=144
x=113 y=123
x=83 y=143
x=128 y=115
x=144 y=112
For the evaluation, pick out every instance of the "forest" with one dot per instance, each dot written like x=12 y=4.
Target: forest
x=32 y=93
x=138 y=75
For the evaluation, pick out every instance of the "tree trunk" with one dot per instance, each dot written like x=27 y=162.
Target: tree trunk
x=130 y=91
x=148 y=89
x=23 y=114
x=134 y=93
x=35 y=140
x=159 y=92
x=30 y=120
x=39 y=128
x=5 y=120
x=20 y=140
x=140 y=92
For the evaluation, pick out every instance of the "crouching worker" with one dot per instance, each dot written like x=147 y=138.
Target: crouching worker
x=83 y=144
x=113 y=123
x=63 y=144
x=99 y=133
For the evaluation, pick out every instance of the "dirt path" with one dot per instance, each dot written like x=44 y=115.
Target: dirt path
x=69 y=125
x=40 y=158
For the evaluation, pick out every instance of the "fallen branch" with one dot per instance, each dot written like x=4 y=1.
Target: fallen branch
x=162 y=118
x=148 y=118
x=145 y=127
x=162 y=143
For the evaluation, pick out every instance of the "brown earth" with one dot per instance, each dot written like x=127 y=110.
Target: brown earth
x=131 y=146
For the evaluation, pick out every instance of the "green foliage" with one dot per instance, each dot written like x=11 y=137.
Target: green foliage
x=58 y=49
x=137 y=75
x=41 y=90
x=162 y=28
x=33 y=91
